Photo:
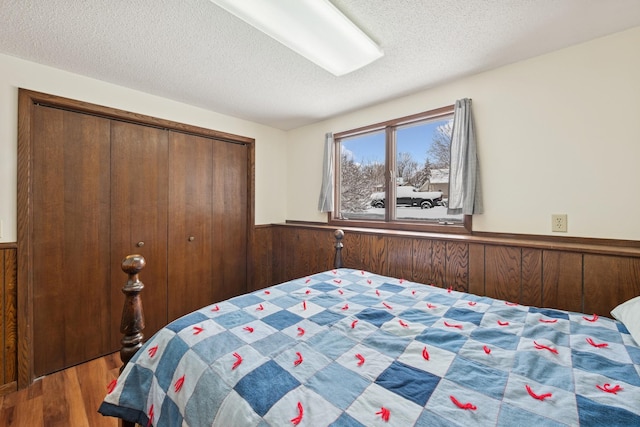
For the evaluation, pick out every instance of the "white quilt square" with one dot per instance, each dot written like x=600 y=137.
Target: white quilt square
x=368 y=408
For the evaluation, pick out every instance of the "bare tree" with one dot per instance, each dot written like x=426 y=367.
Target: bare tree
x=440 y=147
x=423 y=174
x=373 y=174
x=406 y=168
x=355 y=189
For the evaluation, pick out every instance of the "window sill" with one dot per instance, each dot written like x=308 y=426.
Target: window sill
x=459 y=228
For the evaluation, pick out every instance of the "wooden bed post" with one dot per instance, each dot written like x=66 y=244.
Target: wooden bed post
x=132 y=317
x=338 y=234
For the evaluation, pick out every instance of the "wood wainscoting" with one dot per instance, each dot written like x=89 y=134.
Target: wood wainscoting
x=583 y=275
x=8 y=312
x=590 y=276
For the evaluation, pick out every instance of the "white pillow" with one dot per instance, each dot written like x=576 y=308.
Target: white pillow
x=628 y=313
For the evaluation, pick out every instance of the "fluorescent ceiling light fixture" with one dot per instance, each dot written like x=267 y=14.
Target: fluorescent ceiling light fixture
x=315 y=29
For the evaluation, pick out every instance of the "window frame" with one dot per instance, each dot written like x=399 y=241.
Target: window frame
x=389 y=128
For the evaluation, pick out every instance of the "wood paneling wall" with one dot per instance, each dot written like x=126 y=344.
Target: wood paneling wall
x=589 y=278
x=8 y=313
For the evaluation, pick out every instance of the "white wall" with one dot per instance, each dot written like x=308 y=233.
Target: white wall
x=15 y=73
x=559 y=133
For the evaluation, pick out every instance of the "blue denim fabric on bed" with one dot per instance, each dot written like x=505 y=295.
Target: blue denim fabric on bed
x=351 y=348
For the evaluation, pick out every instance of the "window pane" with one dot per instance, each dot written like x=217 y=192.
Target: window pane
x=362 y=160
x=422 y=171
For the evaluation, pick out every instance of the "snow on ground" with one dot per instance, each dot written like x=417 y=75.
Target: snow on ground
x=438 y=213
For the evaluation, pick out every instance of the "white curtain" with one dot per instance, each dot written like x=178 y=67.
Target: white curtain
x=465 y=195
x=325 y=203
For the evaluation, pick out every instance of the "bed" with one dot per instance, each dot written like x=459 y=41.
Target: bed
x=348 y=347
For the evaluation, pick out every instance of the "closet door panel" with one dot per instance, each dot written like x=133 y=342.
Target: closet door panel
x=70 y=238
x=139 y=182
x=230 y=218
x=190 y=225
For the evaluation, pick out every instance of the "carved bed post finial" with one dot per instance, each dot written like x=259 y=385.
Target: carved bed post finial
x=338 y=234
x=132 y=317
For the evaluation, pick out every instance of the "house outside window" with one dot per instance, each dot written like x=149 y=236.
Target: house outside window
x=396 y=174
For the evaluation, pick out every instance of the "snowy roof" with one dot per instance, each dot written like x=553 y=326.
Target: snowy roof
x=439 y=176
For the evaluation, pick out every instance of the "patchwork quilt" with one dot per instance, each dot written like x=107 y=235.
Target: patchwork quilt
x=351 y=348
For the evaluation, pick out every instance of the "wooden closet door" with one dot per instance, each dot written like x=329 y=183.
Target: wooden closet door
x=190 y=225
x=70 y=238
x=139 y=183
x=230 y=178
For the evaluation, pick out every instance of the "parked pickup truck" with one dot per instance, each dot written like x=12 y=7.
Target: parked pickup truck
x=410 y=196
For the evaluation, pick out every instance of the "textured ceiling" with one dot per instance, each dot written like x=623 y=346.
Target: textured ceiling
x=194 y=52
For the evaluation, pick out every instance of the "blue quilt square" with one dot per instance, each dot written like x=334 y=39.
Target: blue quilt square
x=273 y=344
x=323 y=286
x=324 y=277
x=291 y=286
x=281 y=319
x=447 y=340
x=441 y=299
x=623 y=329
x=496 y=337
x=549 y=312
x=351 y=385
x=285 y=301
x=186 y=321
x=326 y=318
x=326 y=300
x=634 y=353
x=346 y=420
x=364 y=300
x=359 y=289
x=246 y=300
x=418 y=316
x=137 y=386
x=476 y=376
x=388 y=287
x=464 y=315
x=596 y=332
x=212 y=348
x=402 y=300
x=538 y=368
x=233 y=319
x=375 y=316
x=513 y=416
x=174 y=351
x=592 y=413
x=541 y=330
x=477 y=298
x=431 y=419
x=591 y=362
x=331 y=343
x=507 y=313
x=410 y=383
x=206 y=395
x=386 y=343
x=265 y=385
x=169 y=415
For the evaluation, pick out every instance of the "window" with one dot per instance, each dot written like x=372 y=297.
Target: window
x=396 y=174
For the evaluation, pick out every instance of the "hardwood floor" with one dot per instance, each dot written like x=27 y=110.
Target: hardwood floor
x=68 y=398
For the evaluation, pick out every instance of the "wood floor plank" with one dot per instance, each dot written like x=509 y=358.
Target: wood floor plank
x=12 y=399
x=66 y=398
x=57 y=408
x=27 y=412
x=94 y=378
